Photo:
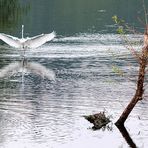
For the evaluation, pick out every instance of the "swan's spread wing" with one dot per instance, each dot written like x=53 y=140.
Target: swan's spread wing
x=10 y=40
x=39 y=40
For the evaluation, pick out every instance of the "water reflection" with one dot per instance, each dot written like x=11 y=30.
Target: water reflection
x=126 y=136
x=69 y=17
x=47 y=114
x=24 y=66
x=11 y=12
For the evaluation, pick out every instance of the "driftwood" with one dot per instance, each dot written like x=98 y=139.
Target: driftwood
x=140 y=83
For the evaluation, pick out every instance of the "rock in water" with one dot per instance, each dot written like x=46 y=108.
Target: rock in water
x=99 y=120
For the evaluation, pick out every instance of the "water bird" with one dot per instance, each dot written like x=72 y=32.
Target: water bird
x=25 y=43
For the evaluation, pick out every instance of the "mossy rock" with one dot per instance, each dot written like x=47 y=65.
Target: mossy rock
x=99 y=120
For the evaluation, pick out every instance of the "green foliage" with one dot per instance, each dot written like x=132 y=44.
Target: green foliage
x=115 y=19
x=119 y=23
x=115 y=69
x=123 y=29
x=120 y=30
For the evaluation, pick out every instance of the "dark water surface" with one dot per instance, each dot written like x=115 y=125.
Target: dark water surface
x=68 y=17
x=42 y=113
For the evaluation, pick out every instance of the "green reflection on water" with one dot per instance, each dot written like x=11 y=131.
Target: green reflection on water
x=68 y=17
x=11 y=12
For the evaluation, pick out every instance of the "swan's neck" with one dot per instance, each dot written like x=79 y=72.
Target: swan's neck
x=22 y=31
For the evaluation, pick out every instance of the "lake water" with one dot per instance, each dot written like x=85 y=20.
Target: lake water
x=43 y=113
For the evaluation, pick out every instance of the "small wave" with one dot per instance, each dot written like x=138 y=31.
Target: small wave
x=97 y=38
x=81 y=45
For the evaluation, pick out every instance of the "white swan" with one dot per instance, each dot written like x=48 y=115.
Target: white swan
x=25 y=43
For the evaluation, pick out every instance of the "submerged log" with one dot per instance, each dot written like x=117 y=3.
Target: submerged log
x=140 y=83
x=99 y=120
